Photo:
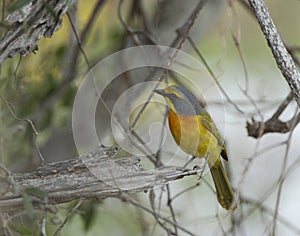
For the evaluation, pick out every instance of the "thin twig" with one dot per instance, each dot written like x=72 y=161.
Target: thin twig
x=2 y=15
x=283 y=169
x=185 y=191
x=17 y=68
x=282 y=106
x=70 y=71
x=68 y=217
x=30 y=122
x=182 y=35
x=158 y=156
x=79 y=43
x=131 y=201
x=245 y=90
x=169 y=204
x=92 y=19
x=269 y=211
x=134 y=37
x=213 y=75
x=156 y=215
x=258 y=203
x=44 y=217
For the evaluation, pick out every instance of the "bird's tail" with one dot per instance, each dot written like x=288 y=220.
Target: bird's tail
x=223 y=188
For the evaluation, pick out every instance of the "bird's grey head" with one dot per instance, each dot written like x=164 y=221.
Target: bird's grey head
x=181 y=100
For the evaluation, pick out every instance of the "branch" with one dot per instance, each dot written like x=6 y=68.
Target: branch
x=257 y=129
x=69 y=180
x=28 y=24
x=283 y=59
x=273 y=125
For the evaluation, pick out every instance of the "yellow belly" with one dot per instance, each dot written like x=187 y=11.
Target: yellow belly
x=191 y=136
x=195 y=139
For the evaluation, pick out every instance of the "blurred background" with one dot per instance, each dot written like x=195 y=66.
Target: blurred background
x=42 y=85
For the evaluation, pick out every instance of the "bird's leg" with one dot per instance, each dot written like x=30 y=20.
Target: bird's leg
x=206 y=157
x=189 y=161
x=203 y=166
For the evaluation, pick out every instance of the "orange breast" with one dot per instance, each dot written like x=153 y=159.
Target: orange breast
x=190 y=135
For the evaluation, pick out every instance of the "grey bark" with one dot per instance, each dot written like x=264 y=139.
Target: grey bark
x=72 y=179
x=28 y=24
x=283 y=59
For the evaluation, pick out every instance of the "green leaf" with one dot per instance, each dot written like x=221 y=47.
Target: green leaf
x=18 y=5
x=20 y=229
x=4 y=25
x=89 y=213
x=28 y=206
x=36 y=192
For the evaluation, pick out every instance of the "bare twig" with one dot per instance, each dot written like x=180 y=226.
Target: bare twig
x=213 y=75
x=182 y=35
x=282 y=106
x=128 y=199
x=79 y=45
x=158 y=161
x=134 y=37
x=169 y=204
x=135 y=32
x=68 y=217
x=69 y=72
x=269 y=211
x=30 y=122
x=259 y=203
x=156 y=214
x=283 y=172
x=17 y=68
x=44 y=216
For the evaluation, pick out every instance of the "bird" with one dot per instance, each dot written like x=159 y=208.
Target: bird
x=196 y=134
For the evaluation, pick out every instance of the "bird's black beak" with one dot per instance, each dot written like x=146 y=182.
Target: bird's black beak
x=160 y=92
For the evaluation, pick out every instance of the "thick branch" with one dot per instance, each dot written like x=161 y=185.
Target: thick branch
x=283 y=59
x=27 y=25
x=257 y=129
x=70 y=180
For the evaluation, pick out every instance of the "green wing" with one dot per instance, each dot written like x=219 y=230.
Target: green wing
x=209 y=124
